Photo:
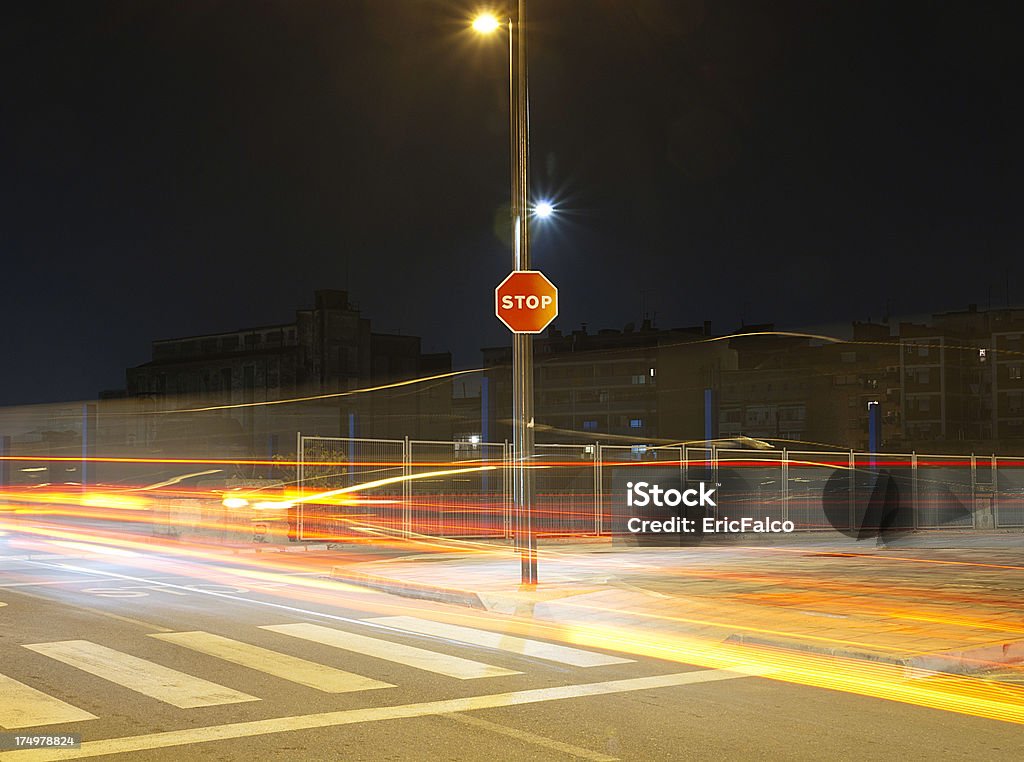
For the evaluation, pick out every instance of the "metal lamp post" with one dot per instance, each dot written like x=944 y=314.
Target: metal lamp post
x=522 y=343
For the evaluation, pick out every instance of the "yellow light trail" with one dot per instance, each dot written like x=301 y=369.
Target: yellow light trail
x=313 y=398
x=963 y=695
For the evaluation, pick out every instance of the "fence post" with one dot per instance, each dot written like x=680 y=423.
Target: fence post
x=506 y=494
x=914 y=497
x=5 y=465
x=406 y=488
x=598 y=489
x=785 y=484
x=300 y=483
x=852 y=477
x=995 y=492
x=974 y=492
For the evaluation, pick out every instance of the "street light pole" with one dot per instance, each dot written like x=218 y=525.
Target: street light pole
x=522 y=343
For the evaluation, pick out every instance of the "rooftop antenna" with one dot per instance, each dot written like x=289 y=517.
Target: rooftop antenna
x=644 y=302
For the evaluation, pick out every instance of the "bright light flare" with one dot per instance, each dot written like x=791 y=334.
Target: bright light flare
x=485 y=23
x=115 y=501
x=543 y=209
x=267 y=505
x=90 y=548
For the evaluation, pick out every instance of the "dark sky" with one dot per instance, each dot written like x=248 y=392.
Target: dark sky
x=173 y=168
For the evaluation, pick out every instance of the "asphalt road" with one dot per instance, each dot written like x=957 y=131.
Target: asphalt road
x=91 y=644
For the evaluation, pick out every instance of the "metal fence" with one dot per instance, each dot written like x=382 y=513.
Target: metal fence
x=361 y=487
x=457 y=489
x=565 y=490
x=330 y=469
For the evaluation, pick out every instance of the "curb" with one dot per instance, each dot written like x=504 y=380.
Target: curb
x=409 y=589
x=269 y=547
x=967 y=662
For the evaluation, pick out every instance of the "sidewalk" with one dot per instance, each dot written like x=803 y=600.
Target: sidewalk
x=947 y=601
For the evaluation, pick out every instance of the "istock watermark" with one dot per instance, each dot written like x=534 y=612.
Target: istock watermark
x=656 y=513
x=642 y=494
x=708 y=525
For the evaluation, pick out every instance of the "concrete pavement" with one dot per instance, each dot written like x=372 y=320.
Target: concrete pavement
x=935 y=601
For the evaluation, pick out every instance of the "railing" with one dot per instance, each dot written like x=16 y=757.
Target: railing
x=360 y=487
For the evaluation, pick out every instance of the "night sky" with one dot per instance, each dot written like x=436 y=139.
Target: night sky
x=174 y=168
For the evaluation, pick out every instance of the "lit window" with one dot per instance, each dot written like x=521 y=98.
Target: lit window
x=590 y=425
x=636 y=423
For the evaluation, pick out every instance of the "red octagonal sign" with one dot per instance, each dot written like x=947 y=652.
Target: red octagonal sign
x=526 y=301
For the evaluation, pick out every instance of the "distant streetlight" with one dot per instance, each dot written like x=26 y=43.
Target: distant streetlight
x=544 y=209
x=485 y=23
x=522 y=343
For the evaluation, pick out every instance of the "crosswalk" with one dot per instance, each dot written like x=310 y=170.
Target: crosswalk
x=410 y=656
x=537 y=649
x=142 y=676
x=301 y=671
x=23 y=705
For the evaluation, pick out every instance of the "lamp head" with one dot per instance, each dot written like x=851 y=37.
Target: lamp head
x=485 y=23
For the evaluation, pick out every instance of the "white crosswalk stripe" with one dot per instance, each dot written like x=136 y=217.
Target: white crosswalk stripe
x=420 y=658
x=145 y=677
x=22 y=706
x=575 y=657
x=310 y=674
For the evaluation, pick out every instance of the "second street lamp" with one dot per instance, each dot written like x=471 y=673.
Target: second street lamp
x=522 y=343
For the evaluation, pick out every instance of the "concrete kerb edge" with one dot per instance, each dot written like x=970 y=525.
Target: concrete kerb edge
x=967 y=662
x=410 y=589
x=961 y=662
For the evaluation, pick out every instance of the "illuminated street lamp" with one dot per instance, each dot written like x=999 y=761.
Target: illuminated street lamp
x=486 y=23
x=522 y=343
x=543 y=209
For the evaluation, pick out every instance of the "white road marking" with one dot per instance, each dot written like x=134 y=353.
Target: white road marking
x=145 y=677
x=536 y=740
x=372 y=714
x=280 y=665
x=22 y=706
x=252 y=601
x=420 y=658
x=563 y=654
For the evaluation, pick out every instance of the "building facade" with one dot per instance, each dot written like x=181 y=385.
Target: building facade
x=628 y=386
x=326 y=351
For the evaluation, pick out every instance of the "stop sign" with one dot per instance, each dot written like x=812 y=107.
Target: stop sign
x=526 y=301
